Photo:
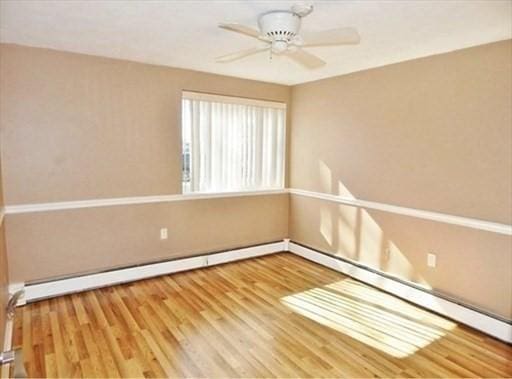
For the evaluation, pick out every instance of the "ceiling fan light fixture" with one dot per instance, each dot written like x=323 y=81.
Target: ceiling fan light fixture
x=279 y=47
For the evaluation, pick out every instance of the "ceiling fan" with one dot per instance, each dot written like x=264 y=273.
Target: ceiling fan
x=279 y=30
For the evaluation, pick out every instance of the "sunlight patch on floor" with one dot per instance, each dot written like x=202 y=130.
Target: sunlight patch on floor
x=372 y=317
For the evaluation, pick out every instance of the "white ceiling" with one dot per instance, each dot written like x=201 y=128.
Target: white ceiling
x=185 y=34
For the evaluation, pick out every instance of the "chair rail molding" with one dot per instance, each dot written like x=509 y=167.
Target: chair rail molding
x=94 y=203
x=467 y=222
x=412 y=212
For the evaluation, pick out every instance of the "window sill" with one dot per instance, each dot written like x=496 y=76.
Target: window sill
x=208 y=195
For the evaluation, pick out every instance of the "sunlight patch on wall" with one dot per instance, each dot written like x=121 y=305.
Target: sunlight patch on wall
x=371 y=239
x=348 y=231
x=327 y=184
x=344 y=192
x=326 y=225
x=370 y=316
x=352 y=233
x=398 y=263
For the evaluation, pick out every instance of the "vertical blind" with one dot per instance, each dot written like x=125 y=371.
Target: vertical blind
x=232 y=144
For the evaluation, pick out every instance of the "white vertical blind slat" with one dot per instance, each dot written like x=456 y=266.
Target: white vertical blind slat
x=233 y=146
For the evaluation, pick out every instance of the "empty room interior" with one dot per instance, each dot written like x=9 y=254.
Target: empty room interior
x=256 y=189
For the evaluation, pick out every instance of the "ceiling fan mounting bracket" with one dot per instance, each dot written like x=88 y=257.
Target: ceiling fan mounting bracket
x=302 y=10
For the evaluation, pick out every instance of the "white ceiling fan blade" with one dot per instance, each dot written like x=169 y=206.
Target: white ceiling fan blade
x=306 y=59
x=241 y=54
x=341 y=36
x=238 y=28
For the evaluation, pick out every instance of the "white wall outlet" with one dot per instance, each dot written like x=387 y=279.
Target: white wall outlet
x=163 y=234
x=431 y=260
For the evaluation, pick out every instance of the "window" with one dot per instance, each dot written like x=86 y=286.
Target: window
x=232 y=144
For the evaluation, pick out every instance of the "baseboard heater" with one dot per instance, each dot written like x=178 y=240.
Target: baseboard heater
x=35 y=291
x=465 y=314
x=457 y=311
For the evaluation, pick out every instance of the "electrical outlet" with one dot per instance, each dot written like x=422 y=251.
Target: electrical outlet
x=163 y=234
x=431 y=260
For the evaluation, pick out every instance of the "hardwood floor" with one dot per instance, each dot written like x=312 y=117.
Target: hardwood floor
x=275 y=316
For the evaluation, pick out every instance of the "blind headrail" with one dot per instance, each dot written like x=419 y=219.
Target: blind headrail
x=232 y=100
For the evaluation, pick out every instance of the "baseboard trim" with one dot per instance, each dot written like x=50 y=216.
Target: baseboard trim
x=492 y=326
x=58 y=287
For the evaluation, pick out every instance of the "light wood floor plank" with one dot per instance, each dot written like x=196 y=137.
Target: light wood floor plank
x=274 y=316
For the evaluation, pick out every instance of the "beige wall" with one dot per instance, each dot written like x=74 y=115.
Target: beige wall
x=472 y=265
x=80 y=127
x=94 y=238
x=433 y=133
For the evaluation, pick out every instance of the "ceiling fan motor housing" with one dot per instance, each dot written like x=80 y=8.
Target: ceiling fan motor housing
x=281 y=27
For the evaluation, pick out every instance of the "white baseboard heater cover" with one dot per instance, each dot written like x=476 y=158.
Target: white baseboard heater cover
x=495 y=327
x=58 y=287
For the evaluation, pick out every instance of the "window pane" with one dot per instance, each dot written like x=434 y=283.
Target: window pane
x=232 y=146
